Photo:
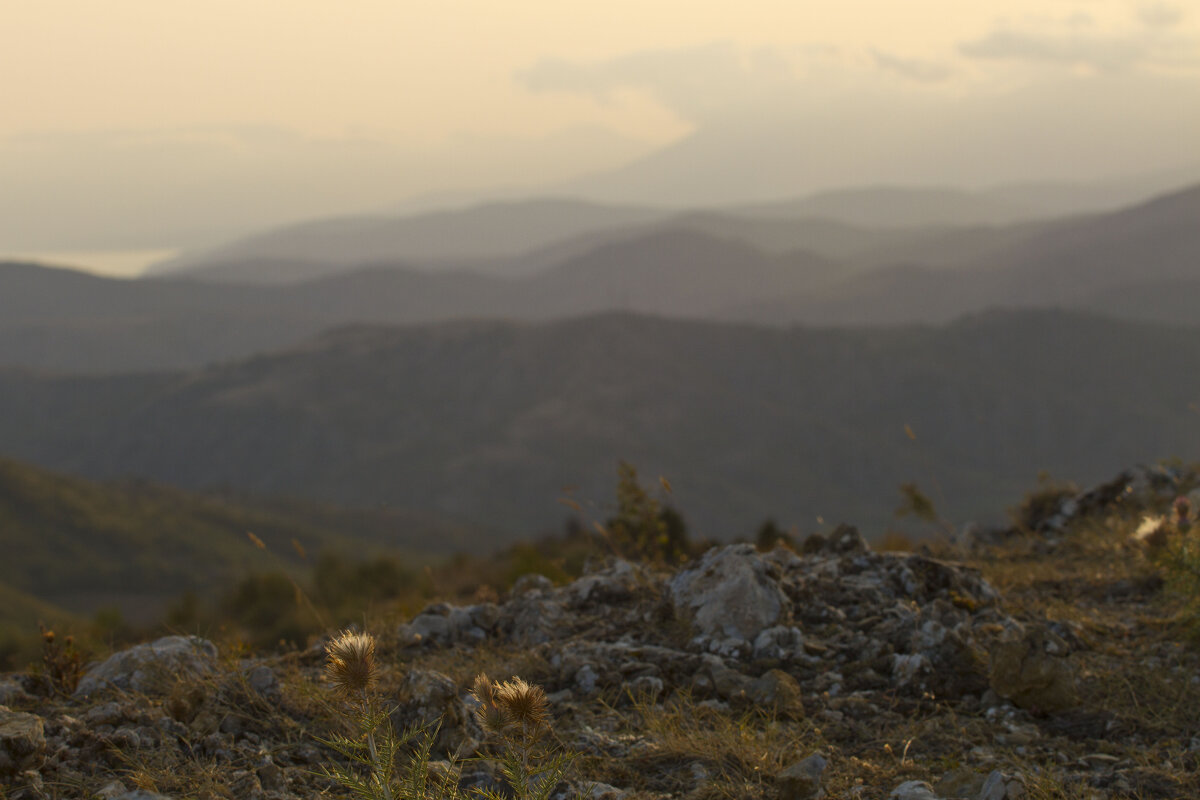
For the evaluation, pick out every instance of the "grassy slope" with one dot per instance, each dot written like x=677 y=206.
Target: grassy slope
x=88 y=545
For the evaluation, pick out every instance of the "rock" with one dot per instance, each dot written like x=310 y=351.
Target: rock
x=729 y=684
x=533 y=619
x=22 y=742
x=615 y=583
x=142 y=794
x=813 y=543
x=729 y=594
x=585 y=679
x=1032 y=670
x=531 y=582
x=777 y=691
x=264 y=682
x=913 y=790
x=13 y=692
x=846 y=539
x=1000 y=786
x=961 y=782
x=780 y=642
x=184 y=702
x=430 y=698
x=271 y=776
x=444 y=624
x=110 y=790
x=151 y=668
x=645 y=689
x=802 y=780
x=600 y=791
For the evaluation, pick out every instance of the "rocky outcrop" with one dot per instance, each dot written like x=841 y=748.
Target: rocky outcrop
x=151 y=668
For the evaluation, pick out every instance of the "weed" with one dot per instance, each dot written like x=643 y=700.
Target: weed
x=62 y=664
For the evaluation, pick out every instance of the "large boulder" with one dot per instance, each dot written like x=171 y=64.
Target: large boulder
x=732 y=594
x=22 y=742
x=1031 y=668
x=152 y=668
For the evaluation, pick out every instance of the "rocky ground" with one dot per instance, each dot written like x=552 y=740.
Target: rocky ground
x=1045 y=662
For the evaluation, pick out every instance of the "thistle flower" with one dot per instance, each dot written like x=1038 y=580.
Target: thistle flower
x=351 y=663
x=512 y=704
x=491 y=717
x=523 y=704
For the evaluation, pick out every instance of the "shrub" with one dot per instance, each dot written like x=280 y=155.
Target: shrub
x=642 y=529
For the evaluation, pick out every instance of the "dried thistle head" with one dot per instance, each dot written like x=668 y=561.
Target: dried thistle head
x=351 y=663
x=523 y=704
x=491 y=717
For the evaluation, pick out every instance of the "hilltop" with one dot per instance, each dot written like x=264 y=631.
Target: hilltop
x=1044 y=660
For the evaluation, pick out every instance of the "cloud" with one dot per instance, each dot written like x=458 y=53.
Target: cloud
x=1075 y=42
x=1160 y=15
x=1101 y=53
x=698 y=83
x=912 y=68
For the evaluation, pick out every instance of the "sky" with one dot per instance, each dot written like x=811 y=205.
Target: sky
x=148 y=125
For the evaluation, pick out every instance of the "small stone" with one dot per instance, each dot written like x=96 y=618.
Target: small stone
x=1001 y=786
x=779 y=692
x=531 y=582
x=586 y=678
x=802 y=780
x=603 y=791
x=271 y=776
x=264 y=682
x=110 y=790
x=645 y=689
x=846 y=539
x=913 y=790
x=961 y=782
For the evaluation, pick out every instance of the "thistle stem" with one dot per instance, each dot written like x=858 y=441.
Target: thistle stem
x=383 y=784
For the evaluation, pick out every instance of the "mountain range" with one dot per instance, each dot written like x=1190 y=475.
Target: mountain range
x=487 y=421
x=1138 y=263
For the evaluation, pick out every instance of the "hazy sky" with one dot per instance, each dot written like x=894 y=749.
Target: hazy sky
x=156 y=123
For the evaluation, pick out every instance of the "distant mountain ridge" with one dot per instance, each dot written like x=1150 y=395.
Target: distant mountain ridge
x=487 y=421
x=1137 y=263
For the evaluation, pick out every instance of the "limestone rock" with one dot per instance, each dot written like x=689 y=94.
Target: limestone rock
x=151 y=668
x=802 y=780
x=264 y=682
x=913 y=790
x=22 y=742
x=1032 y=670
x=961 y=782
x=777 y=691
x=1001 y=786
x=730 y=594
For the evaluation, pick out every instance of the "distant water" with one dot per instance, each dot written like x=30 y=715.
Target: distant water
x=111 y=263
